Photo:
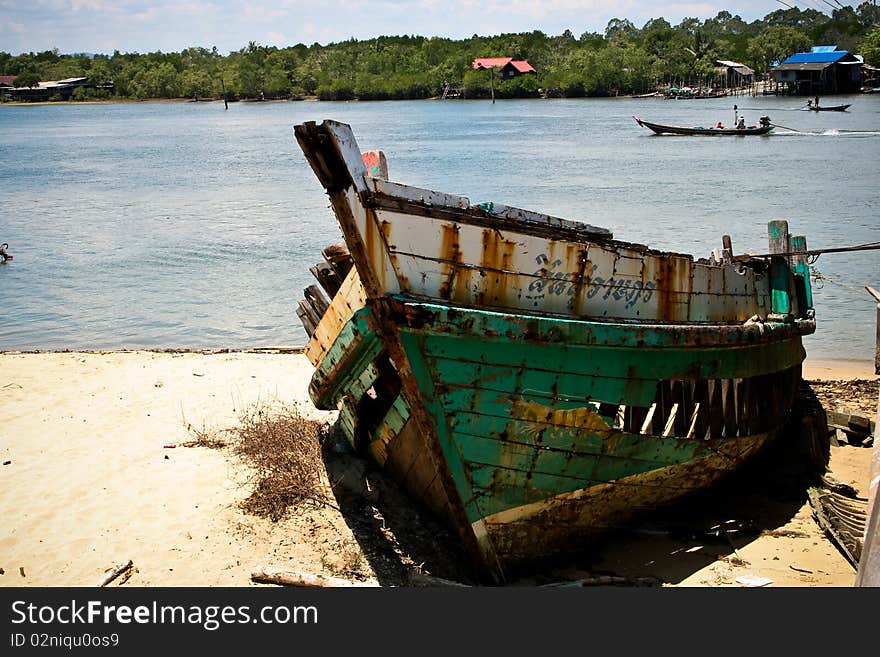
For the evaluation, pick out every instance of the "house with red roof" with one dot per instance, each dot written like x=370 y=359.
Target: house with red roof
x=509 y=66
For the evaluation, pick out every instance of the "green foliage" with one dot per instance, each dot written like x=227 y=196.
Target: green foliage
x=870 y=47
x=29 y=78
x=622 y=60
x=776 y=43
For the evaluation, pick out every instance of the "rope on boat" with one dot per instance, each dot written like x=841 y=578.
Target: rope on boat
x=814 y=253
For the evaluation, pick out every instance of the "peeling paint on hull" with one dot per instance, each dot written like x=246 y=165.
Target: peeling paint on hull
x=570 y=521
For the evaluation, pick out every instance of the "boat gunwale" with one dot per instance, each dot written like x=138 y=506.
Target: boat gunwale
x=750 y=332
x=474 y=216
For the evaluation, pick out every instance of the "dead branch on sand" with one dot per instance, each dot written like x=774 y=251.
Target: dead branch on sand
x=310 y=580
x=283 y=447
x=116 y=572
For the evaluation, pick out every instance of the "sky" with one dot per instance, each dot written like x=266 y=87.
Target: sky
x=140 y=26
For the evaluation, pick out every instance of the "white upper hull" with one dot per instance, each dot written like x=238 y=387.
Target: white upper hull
x=406 y=240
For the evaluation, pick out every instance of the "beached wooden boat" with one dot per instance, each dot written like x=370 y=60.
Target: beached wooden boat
x=664 y=129
x=829 y=108
x=532 y=379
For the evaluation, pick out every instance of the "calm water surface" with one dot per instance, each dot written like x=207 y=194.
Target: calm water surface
x=187 y=225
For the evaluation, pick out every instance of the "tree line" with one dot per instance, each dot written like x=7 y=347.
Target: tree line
x=623 y=60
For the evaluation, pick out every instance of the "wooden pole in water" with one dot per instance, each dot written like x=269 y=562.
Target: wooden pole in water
x=492 y=83
x=223 y=84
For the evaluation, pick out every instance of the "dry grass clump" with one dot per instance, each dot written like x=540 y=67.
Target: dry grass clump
x=206 y=437
x=284 y=448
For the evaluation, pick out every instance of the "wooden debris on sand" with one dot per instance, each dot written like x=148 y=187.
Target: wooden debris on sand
x=842 y=514
x=125 y=569
x=268 y=575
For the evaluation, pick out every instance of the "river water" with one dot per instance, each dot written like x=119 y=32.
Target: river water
x=188 y=225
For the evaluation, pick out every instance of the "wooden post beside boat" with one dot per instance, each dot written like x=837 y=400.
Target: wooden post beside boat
x=801 y=270
x=868 y=571
x=874 y=293
x=780 y=242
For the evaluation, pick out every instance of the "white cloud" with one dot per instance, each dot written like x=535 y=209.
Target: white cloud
x=259 y=12
x=277 y=39
x=149 y=25
x=9 y=26
x=320 y=33
x=88 y=5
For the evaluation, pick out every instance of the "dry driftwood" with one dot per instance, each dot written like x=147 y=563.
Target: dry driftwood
x=851 y=423
x=605 y=580
x=116 y=572
x=841 y=514
x=310 y=580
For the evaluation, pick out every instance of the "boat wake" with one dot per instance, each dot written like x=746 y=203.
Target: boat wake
x=853 y=133
x=834 y=132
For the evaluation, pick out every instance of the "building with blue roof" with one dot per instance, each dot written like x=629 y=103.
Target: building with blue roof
x=824 y=70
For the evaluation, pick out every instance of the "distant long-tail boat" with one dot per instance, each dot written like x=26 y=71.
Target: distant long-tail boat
x=764 y=127
x=829 y=108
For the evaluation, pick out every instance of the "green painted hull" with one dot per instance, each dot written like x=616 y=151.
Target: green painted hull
x=532 y=434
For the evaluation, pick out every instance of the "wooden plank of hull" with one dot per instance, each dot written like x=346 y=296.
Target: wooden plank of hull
x=409 y=464
x=338 y=259
x=344 y=304
x=327 y=277
x=569 y=521
x=355 y=349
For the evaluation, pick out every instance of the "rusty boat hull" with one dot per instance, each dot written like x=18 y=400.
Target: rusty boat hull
x=541 y=408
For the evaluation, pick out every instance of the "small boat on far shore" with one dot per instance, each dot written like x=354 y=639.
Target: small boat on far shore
x=764 y=128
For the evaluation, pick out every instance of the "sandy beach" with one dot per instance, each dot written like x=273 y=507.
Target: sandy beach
x=95 y=474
